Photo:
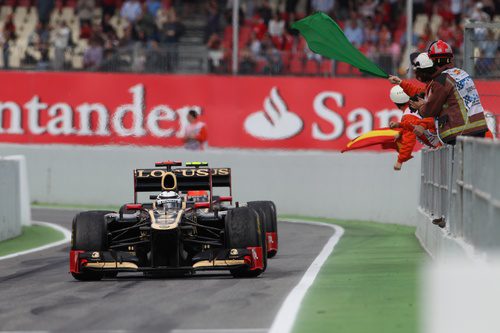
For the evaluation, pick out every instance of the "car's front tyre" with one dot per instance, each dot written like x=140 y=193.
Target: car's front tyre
x=89 y=233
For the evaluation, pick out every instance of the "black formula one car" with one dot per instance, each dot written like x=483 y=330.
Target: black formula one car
x=174 y=233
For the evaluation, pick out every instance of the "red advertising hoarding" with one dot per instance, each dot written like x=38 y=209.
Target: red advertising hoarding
x=240 y=112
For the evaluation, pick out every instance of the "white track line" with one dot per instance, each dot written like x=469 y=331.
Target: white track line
x=284 y=320
x=65 y=232
x=224 y=330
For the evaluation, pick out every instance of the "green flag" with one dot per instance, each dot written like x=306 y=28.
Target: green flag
x=325 y=37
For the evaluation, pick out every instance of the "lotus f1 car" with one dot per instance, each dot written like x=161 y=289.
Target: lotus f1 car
x=175 y=233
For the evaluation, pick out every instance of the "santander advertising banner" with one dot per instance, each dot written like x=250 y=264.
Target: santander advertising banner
x=150 y=110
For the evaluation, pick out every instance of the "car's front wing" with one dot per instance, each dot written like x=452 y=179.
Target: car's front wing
x=122 y=261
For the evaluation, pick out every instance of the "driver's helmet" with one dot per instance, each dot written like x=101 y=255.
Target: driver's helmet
x=168 y=200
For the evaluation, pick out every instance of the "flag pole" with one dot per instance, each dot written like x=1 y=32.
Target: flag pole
x=236 y=19
x=409 y=33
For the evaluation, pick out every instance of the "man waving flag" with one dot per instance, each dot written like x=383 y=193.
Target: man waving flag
x=326 y=38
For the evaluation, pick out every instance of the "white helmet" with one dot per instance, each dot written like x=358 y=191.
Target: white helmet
x=398 y=96
x=168 y=200
x=422 y=61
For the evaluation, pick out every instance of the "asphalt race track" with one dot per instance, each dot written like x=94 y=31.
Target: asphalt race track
x=38 y=294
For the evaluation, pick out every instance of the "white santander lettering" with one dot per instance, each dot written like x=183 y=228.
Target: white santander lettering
x=62 y=121
x=34 y=107
x=85 y=111
x=332 y=119
x=136 y=109
x=95 y=119
x=329 y=115
x=361 y=121
x=15 y=118
x=161 y=113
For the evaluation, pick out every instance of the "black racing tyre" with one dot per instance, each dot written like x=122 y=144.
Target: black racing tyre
x=243 y=229
x=269 y=209
x=89 y=233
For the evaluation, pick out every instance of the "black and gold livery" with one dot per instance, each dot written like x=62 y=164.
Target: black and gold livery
x=140 y=237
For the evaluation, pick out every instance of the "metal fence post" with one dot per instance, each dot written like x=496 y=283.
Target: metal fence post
x=236 y=26
x=469 y=50
x=450 y=185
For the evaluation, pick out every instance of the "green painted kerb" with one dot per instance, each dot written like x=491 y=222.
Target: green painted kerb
x=37 y=204
x=31 y=237
x=368 y=285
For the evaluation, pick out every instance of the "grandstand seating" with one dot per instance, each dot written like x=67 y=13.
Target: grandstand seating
x=293 y=49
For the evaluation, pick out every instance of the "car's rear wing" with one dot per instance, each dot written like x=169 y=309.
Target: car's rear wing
x=181 y=179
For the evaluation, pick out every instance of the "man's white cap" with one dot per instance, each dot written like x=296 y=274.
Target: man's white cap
x=422 y=61
x=398 y=96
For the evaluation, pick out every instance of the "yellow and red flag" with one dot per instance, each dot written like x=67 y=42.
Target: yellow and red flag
x=385 y=137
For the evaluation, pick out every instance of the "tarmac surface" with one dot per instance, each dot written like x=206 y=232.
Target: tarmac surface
x=38 y=294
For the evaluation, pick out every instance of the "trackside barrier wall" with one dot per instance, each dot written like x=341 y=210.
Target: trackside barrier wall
x=23 y=193
x=461 y=184
x=361 y=186
x=14 y=199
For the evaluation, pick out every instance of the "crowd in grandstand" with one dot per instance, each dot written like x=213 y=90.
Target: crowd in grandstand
x=377 y=28
x=87 y=34
x=100 y=28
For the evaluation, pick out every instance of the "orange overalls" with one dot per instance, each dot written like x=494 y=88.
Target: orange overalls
x=408 y=138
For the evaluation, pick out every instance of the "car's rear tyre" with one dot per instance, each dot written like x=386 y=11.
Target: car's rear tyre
x=243 y=229
x=89 y=233
x=269 y=209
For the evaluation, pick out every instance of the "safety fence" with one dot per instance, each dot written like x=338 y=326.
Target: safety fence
x=177 y=58
x=461 y=184
x=481 y=42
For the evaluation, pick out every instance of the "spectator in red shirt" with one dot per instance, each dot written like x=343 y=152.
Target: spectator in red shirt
x=446 y=32
x=86 y=31
x=195 y=136
x=259 y=27
x=9 y=26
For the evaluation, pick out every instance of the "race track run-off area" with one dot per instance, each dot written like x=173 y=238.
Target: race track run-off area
x=38 y=294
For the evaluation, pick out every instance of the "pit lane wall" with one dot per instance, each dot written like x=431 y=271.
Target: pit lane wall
x=359 y=186
x=14 y=196
x=462 y=185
